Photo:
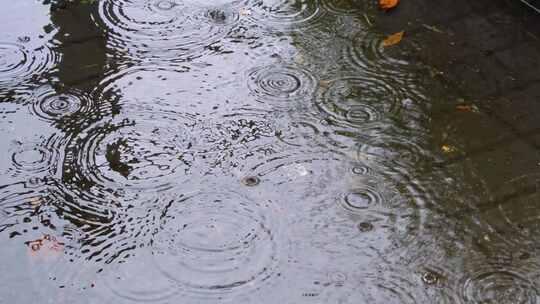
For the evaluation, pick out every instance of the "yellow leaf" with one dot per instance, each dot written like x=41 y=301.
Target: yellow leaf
x=448 y=149
x=393 y=39
x=388 y=4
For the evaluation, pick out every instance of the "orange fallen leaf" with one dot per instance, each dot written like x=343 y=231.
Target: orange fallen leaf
x=46 y=247
x=388 y=4
x=464 y=108
x=393 y=39
x=467 y=108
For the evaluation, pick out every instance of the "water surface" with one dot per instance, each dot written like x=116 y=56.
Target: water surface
x=241 y=151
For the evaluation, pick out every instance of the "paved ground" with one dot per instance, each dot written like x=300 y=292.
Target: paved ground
x=488 y=53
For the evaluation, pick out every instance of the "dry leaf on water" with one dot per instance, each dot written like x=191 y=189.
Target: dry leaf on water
x=393 y=39
x=388 y=4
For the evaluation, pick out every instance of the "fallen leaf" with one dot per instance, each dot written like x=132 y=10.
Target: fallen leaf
x=467 y=108
x=46 y=247
x=388 y=4
x=393 y=39
x=245 y=12
x=448 y=149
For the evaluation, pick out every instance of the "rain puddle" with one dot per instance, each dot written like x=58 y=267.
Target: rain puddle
x=242 y=151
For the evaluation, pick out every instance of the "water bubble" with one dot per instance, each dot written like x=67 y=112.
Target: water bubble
x=222 y=15
x=430 y=278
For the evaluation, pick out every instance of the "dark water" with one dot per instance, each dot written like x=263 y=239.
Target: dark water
x=242 y=151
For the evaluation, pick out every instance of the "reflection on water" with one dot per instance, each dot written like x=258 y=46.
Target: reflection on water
x=240 y=151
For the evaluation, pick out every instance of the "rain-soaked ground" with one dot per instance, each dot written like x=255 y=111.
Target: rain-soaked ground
x=263 y=151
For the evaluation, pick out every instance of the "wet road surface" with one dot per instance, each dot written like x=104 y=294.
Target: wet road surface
x=269 y=152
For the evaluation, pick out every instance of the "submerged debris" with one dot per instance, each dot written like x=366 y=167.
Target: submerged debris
x=365 y=227
x=251 y=181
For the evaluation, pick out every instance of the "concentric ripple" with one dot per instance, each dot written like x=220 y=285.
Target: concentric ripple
x=166 y=29
x=500 y=286
x=348 y=7
x=368 y=53
x=281 y=84
x=215 y=244
x=404 y=285
x=285 y=13
x=395 y=152
x=376 y=216
x=53 y=106
x=37 y=158
x=359 y=102
x=18 y=63
x=362 y=198
x=140 y=281
x=497 y=279
x=148 y=150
